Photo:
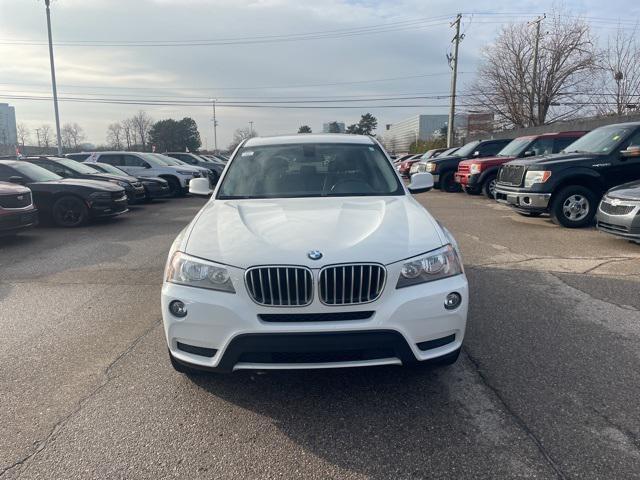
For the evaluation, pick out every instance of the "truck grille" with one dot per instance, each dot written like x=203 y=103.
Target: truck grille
x=611 y=209
x=19 y=200
x=351 y=284
x=280 y=286
x=512 y=174
x=462 y=168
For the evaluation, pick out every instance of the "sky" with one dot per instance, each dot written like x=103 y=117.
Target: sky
x=331 y=53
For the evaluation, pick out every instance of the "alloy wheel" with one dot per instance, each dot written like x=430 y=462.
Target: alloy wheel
x=576 y=207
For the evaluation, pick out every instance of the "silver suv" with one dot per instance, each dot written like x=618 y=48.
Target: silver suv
x=140 y=164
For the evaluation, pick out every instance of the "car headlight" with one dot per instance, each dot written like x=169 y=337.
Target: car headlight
x=430 y=167
x=474 y=168
x=436 y=265
x=539 y=176
x=100 y=196
x=119 y=183
x=195 y=272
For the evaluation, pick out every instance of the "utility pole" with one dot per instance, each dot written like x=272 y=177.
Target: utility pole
x=534 y=75
x=53 y=79
x=453 y=63
x=38 y=135
x=251 y=128
x=215 y=125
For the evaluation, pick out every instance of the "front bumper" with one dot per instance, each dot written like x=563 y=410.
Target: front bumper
x=135 y=194
x=18 y=220
x=467 y=179
x=523 y=200
x=108 y=208
x=405 y=325
x=157 y=190
x=625 y=226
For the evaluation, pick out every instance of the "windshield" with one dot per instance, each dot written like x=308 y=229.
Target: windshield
x=309 y=170
x=77 y=166
x=107 y=168
x=35 y=173
x=166 y=160
x=467 y=149
x=602 y=140
x=515 y=147
x=450 y=151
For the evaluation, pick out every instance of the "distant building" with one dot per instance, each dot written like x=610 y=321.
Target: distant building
x=399 y=136
x=8 y=132
x=333 y=127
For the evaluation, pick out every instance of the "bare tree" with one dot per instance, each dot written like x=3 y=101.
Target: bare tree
x=23 y=134
x=128 y=133
x=565 y=72
x=620 y=74
x=142 y=123
x=45 y=135
x=72 y=135
x=241 y=134
x=115 y=135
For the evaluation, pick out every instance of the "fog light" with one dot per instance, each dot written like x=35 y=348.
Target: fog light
x=178 y=308
x=453 y=300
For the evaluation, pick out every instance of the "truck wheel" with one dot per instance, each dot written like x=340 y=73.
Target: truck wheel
x=489 y=187
x=448 y=184
x=69 y=211
x=573 y=207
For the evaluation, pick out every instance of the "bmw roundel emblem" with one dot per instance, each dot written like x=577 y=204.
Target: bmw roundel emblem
x=314 y=254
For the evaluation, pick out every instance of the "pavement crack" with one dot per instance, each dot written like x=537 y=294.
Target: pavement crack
x=517 y=419
x=629 y=308
x=41 y=445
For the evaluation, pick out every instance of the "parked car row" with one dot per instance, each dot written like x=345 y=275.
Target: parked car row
x=69 y=191
x=575 y=177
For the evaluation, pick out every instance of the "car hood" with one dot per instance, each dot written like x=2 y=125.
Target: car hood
x=152 y=179
x=556 y=159
x=244 y=233
x=7 y=188
x=111 y=176
x=628 y=191
x=83 y=183
x=444 y=159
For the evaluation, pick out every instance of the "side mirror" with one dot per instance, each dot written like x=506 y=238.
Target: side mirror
x=17 y=179
x=529 y=153
x=200 y=187
x=631 y=152
x=420 y=182
x=476 y=153
x=146 y=165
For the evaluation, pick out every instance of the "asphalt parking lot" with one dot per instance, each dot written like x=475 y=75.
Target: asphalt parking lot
x=547 y=386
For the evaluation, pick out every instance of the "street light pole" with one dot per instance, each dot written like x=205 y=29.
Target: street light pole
x=251 y=128
x=53 y=79
x=215 y=129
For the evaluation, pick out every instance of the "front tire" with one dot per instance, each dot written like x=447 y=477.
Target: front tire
x=574 y=207
x=69 y=212
x=470 y=190
x=175 y=189
x=448 y=184
x=489 y=187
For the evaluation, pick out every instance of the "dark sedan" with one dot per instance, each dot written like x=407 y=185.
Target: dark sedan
x=154 y=187
x=67 y=168
x=17 y=211
x=65 y=202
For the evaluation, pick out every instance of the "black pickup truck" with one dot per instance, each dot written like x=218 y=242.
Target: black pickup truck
x=443 y=168
x=569 y=185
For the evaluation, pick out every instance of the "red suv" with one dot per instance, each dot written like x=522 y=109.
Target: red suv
x=479 y=175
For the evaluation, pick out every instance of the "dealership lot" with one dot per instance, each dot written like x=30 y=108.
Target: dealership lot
x=547 y=386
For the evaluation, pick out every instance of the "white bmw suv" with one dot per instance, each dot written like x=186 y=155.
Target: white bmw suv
x=311 y=253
